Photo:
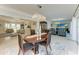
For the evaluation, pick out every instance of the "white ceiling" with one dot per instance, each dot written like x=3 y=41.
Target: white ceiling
x=50 y=11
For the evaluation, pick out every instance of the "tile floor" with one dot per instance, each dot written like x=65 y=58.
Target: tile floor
x=60 y=46
x=8 y=46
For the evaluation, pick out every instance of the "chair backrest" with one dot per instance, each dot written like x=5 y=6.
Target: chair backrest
x=49 y=38
x=20 y=41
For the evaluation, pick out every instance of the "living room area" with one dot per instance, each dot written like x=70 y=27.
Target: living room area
x=37 y=29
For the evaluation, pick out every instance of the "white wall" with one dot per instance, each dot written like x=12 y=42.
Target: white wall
x=73 y=29
x=77 y=24
x=48 y=24
x=2 y=28
x=78 y=29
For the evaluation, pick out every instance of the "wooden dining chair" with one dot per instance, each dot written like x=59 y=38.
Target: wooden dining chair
x=47 y=42
x=24 y=46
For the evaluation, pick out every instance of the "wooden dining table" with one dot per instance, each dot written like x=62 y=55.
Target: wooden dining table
x=36 y=38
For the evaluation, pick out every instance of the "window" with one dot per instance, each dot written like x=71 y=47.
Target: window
x=7 y=26
x=17 y=26
x=12 y=26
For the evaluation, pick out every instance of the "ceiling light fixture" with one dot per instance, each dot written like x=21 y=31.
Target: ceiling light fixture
x=58 y=19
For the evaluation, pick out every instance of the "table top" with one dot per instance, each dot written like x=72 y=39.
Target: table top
x=31 y=36
x=34 y=38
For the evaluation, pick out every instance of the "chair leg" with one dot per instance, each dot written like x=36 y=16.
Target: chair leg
x=34 y=50
x=19 y=52
x=23 y=52
x=37 y=48
x=46 y=50
x=50 y=47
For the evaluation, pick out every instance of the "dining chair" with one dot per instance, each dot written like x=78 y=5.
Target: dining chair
x=24 y=46
x=47 y=42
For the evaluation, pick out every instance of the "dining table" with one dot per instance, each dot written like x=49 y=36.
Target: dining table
x=35 y=39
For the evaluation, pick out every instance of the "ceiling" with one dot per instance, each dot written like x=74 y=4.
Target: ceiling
x=4 y=19
x=50 y=11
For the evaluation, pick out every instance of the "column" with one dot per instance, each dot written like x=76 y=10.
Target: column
x=73 y=29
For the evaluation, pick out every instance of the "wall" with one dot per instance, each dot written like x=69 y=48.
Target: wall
x=49 y=24
x=30 y=23
x=73 y=29
x=33 y=25
x=77 y=24
x=2 y=28
x=78 y=30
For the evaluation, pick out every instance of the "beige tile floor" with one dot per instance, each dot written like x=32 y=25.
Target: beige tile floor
x=8 y=46
x=60 y=46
